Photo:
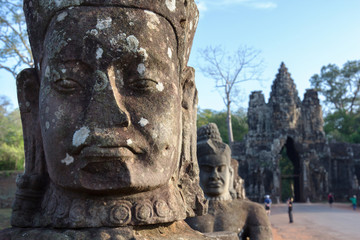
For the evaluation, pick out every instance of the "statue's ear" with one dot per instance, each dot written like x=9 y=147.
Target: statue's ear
x=28 y=89
x=28 y=85
x=232 y=189
x=189 y=98
x=189 y=170
x=32 y=183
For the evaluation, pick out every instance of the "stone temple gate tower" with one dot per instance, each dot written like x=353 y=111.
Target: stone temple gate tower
x=287 y=123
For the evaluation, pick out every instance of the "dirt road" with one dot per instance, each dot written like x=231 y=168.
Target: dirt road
x=315 y=222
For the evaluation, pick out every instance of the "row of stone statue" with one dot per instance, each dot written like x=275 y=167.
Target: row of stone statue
x=109 y=122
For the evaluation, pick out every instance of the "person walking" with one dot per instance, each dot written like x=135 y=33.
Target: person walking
x=267 y=203
x=330 y=199
x=290 y=208
x=353 y=201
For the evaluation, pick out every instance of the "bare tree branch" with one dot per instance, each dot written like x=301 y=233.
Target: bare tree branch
x=229 y=70
x=15 y=52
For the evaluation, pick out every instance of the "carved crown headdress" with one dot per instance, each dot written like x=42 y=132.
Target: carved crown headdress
x=209 y=141
x=182 y=15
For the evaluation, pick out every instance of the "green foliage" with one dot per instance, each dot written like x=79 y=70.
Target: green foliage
x=286 y=166
x=286 y=169
x=340 y=87
x=238 y=120
x=343 y=127
x=11 y=138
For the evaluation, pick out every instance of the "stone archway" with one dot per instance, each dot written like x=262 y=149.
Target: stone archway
x=290 y=171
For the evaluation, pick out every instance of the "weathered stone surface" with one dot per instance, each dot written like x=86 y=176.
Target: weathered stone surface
x=229 y=210
x=170 y=231
x=109 y=115
x=285 y=121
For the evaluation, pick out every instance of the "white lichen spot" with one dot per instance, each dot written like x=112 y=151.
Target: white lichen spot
x=143 y=122
x=94 y=32
x=171 y=4
x=120 y=78
x=61 y=16
x=80 y=136
x=47 y=71
x=103 y=23
x=58 y=2
x=63 y=70
x=141 y=69
x=131 y=23
x=47 y=125
x=143 y=53
x=169 y=52
x=47 y=110
x=99 y=53
x=129 y=142
x=153 y=19
x=152 y=16
x=27 y=104
x=191 y=25
x=160 y=87
x=113 y=42
x=154 y=135
x=68 y=160
x=133 y=43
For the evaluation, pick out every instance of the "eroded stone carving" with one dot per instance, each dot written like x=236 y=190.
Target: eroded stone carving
x=286 y=122
x=109 y=117
x=229 y=210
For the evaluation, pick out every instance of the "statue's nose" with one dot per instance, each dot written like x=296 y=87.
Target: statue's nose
x=215 y=174
x=106 y=108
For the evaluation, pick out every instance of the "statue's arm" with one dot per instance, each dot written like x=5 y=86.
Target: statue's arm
x=258 y=223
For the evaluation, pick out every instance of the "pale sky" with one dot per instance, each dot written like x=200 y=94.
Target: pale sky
x=304 y=34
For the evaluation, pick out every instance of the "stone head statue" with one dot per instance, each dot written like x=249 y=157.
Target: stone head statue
x=108 y=114
x=229 y=210
x=214 y=157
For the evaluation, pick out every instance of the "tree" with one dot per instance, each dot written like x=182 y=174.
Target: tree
x=11 y=139
x=239 y=121
x=15 y=52
x=340 y=87
x=228 y=71
x=342 y=126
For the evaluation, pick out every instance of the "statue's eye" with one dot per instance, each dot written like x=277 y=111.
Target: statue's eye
x=66 y=85
x=221 y=168
x=143 y=85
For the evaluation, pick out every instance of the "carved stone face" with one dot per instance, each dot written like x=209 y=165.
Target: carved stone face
x=215 y=175
x=110 y=100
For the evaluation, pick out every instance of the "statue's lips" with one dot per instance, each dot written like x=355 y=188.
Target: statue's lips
x=108 y=152
x=106 y=159
x=215 y=184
